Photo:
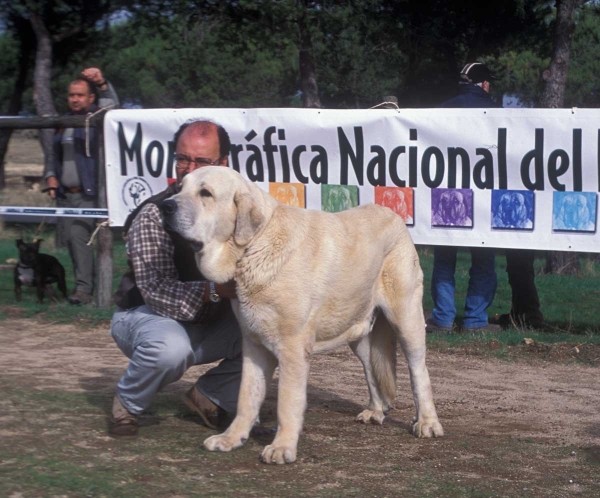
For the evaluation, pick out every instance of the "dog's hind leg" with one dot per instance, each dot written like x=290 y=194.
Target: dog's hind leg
x=257 y=370
x=402 y=287
x=18 y=291
x=41 y=290
x=377 y=352
x=49 y=290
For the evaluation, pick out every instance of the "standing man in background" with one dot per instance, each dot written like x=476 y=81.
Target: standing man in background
x=71 y=177
x=474 y=88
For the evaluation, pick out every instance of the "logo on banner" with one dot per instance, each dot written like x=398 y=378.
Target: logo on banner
x=135 y=191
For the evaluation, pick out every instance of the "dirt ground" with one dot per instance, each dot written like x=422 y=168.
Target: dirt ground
x=527 y=426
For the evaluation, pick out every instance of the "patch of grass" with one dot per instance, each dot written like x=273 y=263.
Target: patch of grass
x=44 y=475
x=513 y=337
x=569 y=303
x=54 y=401
x=54 y=311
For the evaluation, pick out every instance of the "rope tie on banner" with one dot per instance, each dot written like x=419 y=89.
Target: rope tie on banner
x=100 y=225
x=389 y=105
x=89 y=116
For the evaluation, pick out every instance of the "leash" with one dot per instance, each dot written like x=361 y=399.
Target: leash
x=40 y=228
x=100 y=225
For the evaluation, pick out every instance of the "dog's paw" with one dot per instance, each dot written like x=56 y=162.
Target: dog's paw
x=427 y=428
x=371 y=417
x=278 y=454
x=223 y=443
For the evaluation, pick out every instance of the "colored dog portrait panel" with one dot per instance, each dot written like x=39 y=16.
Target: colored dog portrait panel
x=336 y=198
x=574 y=211
x=512 y=209
x=292 y=194
x=398 y=199
x=452 y=207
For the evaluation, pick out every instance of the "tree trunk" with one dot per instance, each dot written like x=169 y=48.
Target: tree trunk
x=308 y=77
x=16 y=100
x=553 y=96
x=555 y=77
x=44 y=103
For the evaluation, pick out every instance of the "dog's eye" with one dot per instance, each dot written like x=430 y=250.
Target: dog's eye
x=205 y=193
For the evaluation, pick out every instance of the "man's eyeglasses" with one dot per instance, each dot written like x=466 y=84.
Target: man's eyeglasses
x=183 y=162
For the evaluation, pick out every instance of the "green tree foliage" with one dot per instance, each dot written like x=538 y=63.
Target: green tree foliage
x=356 y=58
x=583 y=82
x=186 y=60
x=9 y=58
x=244 y=53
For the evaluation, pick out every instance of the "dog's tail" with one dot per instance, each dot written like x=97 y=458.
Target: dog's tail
x=383 y=359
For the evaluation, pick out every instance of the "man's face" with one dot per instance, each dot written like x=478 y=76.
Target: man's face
x=80 y=98
x=202 y=148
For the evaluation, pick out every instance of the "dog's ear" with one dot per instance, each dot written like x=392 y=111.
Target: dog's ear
x=20 y=243
x=37 y=242
x=248 y=218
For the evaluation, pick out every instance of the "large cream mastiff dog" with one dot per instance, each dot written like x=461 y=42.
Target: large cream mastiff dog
x=307 y=281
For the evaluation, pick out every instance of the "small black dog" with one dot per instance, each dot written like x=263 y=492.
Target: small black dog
x=37 y=270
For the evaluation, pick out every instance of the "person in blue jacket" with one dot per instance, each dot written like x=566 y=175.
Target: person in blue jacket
x=474 y=88
x=71 y=176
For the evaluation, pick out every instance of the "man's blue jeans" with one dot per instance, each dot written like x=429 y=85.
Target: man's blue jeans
x=481 y=291
x=161 y=350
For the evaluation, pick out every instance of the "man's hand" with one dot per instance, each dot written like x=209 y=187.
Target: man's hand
x=226 y=290
x=94 y=75
x=52 y=184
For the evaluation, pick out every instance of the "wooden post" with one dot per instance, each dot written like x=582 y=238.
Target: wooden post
x=104 y=261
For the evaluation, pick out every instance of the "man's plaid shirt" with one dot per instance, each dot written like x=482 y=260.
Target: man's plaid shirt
x=151 y=251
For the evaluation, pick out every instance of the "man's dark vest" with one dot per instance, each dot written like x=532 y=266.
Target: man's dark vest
x=128 y=295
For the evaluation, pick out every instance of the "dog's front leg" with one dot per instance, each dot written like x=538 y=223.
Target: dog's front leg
x=257 y=370
x=40 y=287
x=291 y=403
x=17 y=289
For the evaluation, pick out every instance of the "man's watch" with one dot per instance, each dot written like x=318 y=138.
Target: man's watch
x=213 y=296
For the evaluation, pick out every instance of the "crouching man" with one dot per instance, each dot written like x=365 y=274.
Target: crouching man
x=169 y=317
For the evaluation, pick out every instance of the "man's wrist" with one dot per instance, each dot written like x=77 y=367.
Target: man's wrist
x=210 y=293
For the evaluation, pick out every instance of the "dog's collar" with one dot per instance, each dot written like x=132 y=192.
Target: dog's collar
x=19 y=265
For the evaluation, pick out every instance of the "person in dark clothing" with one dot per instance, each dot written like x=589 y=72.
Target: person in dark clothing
x=72 y=174
x=525 y=303
x=474 y=87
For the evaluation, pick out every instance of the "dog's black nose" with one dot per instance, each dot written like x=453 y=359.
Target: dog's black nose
x=168 y=207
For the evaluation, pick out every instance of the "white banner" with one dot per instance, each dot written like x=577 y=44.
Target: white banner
x=507 y=178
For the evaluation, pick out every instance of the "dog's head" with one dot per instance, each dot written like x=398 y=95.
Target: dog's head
x=452 y=207
x=28 y=252
x=219 y=212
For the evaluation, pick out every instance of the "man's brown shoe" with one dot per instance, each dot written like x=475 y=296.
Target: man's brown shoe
x=121 y=422
x=202 y=406
x=80 y=297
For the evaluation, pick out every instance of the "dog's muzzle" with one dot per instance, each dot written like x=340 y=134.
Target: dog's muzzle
x=168 y=207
